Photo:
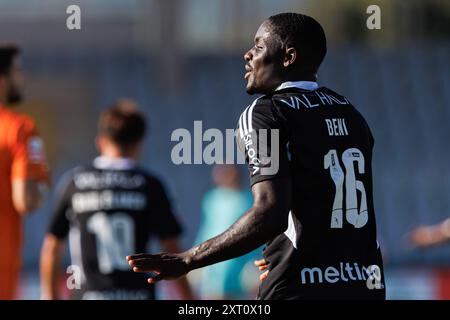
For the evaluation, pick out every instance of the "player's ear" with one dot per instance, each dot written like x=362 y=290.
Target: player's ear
x=289 y=57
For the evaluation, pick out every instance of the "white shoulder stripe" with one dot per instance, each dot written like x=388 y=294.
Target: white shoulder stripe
x=245 y=121
x=241 y=131
x=250 y=117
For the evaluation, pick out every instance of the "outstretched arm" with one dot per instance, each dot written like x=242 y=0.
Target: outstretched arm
x=426 y=236
x=266 y=219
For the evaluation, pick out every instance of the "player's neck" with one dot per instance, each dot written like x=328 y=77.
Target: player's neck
x=112 y=151
x=117 y=154
x=298 y=75
x=299 y=78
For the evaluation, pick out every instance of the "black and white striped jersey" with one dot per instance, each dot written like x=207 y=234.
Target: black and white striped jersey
x=109 y=210
x=323 y=144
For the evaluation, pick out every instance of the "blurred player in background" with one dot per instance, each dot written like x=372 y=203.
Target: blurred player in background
x=110 y=209
x=321 y=241
x=427 y=236
x=221 y=207
x=24 y=173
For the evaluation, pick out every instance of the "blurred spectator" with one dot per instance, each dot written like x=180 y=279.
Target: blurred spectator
x=23 y=171
x=221 y=207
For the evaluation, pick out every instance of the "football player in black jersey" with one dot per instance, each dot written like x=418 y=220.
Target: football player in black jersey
x=109 y=209
x=309 y=153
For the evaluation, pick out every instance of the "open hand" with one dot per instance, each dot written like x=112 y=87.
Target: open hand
x=165 y=266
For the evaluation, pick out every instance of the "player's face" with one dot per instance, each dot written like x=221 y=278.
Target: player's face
x=264 y=62
x=15 y=84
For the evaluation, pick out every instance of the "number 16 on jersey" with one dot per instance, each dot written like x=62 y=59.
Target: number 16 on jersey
x=358 y=218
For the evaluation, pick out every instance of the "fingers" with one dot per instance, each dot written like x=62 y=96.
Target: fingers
x=262 y=268
x=145 y=262
x=155 y=278
x=145 y=269
x=139 y=256
x=264 y=275
x=261 y=264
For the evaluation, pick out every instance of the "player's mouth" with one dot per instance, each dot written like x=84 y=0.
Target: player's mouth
x=248 y=70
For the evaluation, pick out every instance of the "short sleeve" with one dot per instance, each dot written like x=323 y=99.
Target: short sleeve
x=263 y=140
x=29 y=161
x=163 y=221
x=59 y=223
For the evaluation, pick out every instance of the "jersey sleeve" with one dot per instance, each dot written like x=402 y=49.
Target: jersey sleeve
x=263 y=139
x=29 y=160
x=59 y=223
x=163 y=222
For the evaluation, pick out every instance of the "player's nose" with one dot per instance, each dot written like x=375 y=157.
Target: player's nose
x=248 y=55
